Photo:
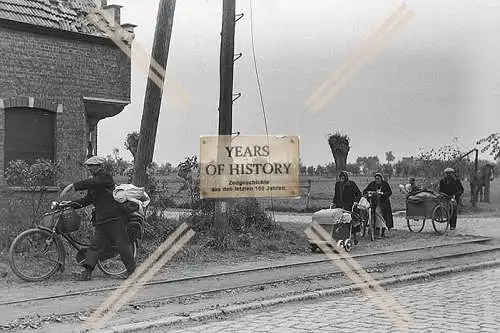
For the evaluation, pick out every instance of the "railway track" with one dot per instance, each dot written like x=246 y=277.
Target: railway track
x=166 y=289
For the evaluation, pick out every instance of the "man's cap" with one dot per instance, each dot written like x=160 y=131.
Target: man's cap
x=378 y=174
x=95 y=160
x=449 y=170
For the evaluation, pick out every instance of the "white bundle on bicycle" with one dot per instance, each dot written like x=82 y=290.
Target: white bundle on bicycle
x=363 y=203
x=130 y=192
x=137 y=196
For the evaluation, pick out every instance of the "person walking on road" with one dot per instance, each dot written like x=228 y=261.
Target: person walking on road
x=346 y=192
x=110 y=227
x=451 y=186
x=379 y=184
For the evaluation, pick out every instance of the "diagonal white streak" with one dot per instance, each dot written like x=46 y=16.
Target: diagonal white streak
x=155 y=71
x=360 y=277
x=344 y=78
x=367 y=43
x=368 y=47
x=148 y=275
x=120 y=291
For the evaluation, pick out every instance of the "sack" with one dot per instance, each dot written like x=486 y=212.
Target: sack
x=69 y=221
x=130 y=198
x=127 y=192
x=363 y=203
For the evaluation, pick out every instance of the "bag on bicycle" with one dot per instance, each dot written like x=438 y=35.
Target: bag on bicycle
x=69 y=221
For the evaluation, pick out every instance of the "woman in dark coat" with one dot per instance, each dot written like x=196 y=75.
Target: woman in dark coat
x=385 y=202
x=346 y=192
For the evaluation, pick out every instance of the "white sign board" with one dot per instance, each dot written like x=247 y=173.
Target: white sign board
x=249 y=166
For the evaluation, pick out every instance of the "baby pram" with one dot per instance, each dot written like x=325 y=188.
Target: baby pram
x=339 y=224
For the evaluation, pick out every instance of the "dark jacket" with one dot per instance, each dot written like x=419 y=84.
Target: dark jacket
x=100 y=194
x=451 y=186
x=385 y=201
x=346 y=194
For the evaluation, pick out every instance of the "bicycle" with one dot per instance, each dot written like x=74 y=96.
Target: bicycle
x=43 y=250
x=368 y=220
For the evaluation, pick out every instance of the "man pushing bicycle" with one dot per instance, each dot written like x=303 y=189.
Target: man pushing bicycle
x=110 y=227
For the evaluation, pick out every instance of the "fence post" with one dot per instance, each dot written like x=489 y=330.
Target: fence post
x=308 y=193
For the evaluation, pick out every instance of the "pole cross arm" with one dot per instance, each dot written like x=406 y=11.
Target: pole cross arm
x=238 y=17
x=236 y=96
x=237 y=56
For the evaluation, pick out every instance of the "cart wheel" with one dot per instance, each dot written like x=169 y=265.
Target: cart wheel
x=347 y=245
x=340 y=243
x=415 y=225
x=440 y=219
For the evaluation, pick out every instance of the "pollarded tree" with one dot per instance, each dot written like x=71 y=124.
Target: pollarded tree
x=339 y=145
x=131 y=143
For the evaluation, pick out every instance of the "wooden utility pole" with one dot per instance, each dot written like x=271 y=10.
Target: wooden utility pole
x=227 y=68
x=221 y=226
x=154 y=91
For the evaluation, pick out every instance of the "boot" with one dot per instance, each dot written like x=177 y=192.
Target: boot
x=85 y=275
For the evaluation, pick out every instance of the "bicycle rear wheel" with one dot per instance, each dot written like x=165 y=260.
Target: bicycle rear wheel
x=36 y=254
x=113 y=265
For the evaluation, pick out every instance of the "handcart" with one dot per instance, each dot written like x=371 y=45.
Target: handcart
x=338 y=224
x=429 y=205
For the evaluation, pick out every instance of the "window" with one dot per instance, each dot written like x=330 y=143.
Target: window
x=29 y=134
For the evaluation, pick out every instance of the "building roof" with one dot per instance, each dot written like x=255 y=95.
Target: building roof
x=69 y=15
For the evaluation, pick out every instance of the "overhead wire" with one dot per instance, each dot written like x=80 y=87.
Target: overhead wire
x=259 y=86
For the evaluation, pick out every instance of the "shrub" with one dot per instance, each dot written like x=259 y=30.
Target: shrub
x=41 y=173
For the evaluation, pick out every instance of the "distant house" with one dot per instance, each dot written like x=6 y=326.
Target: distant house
x=60 y=75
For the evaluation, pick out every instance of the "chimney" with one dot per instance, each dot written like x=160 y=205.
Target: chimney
x=129 y=27
x=128 y=32
x=113 y=12
x=101 y=3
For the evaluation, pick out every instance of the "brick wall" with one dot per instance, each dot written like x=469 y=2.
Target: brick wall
x=60 y=71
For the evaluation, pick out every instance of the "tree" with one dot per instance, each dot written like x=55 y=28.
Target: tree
x=432 y=163
x=387 y=170
x=154 y=91
x=491 y=144
x=389 y=157
x=320 y=170
x=353 y=168
x=330 y=169
x=339 y=146
x=370 y=164
x=131 y=143
x=310 y=170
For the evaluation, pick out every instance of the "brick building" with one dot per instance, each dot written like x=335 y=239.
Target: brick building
x=59 y=76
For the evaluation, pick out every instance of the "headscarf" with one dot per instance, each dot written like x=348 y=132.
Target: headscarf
x=344 y=174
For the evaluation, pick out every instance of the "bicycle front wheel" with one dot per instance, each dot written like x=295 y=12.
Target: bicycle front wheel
x=113 y=264
x=36 y=254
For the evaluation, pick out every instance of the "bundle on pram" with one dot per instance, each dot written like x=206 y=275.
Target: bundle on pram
x=338 y=223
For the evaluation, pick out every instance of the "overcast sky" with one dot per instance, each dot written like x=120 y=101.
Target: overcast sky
x=436 y=78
